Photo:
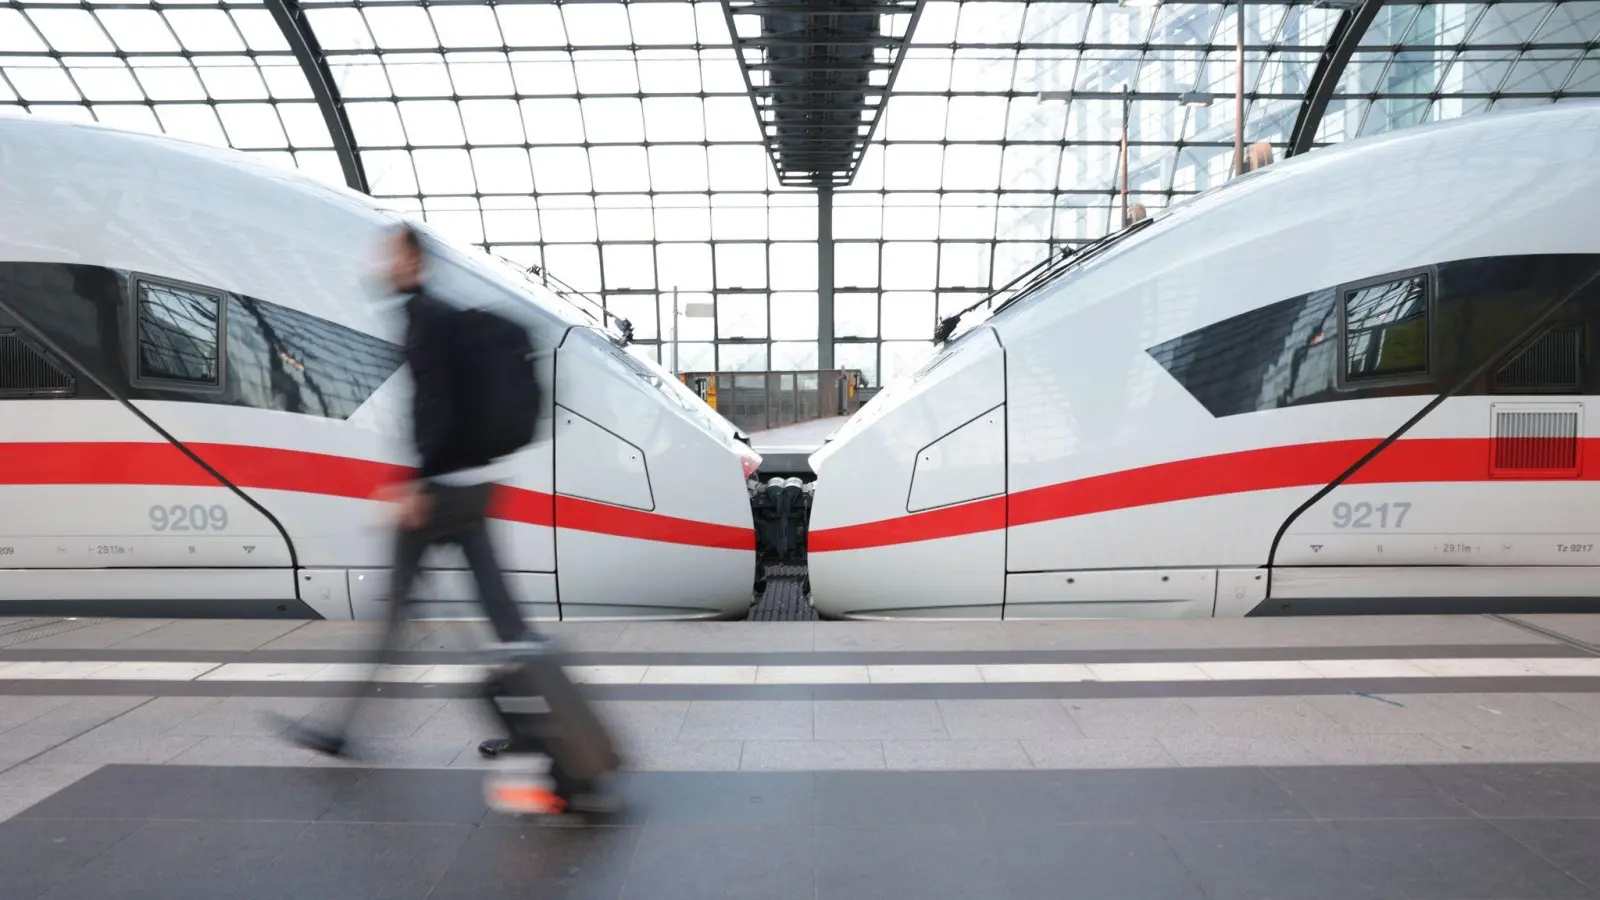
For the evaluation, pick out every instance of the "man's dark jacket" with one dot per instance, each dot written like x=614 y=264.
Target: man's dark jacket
x=434 y=351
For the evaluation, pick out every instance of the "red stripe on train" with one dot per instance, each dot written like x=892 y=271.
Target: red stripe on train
x=945 y=522
x=268 y=468
x=1303 y=465
x=603 y=518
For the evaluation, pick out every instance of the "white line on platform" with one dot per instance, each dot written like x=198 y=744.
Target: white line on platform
x=1367 y=668
x=151 y=671
x=65 y=671
x=607 y=674
x=1261 y=670
x=1148 y=672
x=812 y=675
x=698 y=674
x=924 y=674
x=1035 y=673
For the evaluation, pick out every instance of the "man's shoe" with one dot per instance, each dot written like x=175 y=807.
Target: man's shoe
x=521 y=796
x=326 y=743
x=494 y=747
x=595 y=803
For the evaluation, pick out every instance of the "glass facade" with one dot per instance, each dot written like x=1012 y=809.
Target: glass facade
x=615 y=145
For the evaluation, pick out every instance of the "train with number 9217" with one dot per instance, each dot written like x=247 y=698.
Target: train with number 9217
x=202 y=386
x=1354 y=381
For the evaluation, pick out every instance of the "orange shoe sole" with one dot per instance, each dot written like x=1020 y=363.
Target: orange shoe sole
x=527 y=800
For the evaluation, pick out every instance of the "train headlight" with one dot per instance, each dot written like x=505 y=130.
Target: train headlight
x=748 y=458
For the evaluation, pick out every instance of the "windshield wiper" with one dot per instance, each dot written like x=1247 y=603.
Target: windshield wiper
x=1042 y=273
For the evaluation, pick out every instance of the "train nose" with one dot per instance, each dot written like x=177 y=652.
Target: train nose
x=908 y=517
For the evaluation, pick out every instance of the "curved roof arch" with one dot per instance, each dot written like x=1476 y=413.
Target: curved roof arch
x=646 y=148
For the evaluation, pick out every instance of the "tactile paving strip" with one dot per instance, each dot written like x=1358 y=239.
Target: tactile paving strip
x=19 y=631
x=783 y=600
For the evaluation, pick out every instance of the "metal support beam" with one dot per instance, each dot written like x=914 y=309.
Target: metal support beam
x=813 y=72
x=825 y=278
x=303 y=41
x=1127 y=103
x=1238 y=97
x=1353 y=25
x=979 y=4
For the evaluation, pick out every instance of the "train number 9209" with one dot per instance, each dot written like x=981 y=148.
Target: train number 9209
x=178 y=517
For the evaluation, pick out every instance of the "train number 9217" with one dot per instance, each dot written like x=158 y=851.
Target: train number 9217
x=1367 y=515
x=178 y=517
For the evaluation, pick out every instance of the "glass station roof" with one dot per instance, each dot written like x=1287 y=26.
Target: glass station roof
x=616 y=143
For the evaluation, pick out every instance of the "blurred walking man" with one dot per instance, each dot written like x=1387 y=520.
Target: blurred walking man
x=474 y=402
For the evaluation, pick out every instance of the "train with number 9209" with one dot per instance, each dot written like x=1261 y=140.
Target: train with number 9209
x=1354 y=381
x=202 y=385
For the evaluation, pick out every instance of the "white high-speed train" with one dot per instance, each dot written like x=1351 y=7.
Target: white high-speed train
x=201 y=386
x=1354 y=381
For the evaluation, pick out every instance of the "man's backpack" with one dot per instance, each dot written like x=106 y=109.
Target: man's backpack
x=499 y=392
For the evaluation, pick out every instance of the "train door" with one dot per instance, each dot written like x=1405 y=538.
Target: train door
x=104 y=508
x=1470 y=488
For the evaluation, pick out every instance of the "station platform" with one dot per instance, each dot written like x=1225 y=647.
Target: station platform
x=785 y=452
x=1416 y=757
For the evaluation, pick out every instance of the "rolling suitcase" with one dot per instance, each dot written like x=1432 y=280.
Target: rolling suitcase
x=544 y=713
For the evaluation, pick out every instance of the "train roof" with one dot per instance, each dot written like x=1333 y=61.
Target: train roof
x=1568 y=132
x=120 y=162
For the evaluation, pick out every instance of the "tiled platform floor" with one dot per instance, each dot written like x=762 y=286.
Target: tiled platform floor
x=176 y=832
x=1298 y=758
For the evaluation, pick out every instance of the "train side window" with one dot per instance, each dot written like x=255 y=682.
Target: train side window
x=178 y=332
x=288 y=360
x=1386 y=325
